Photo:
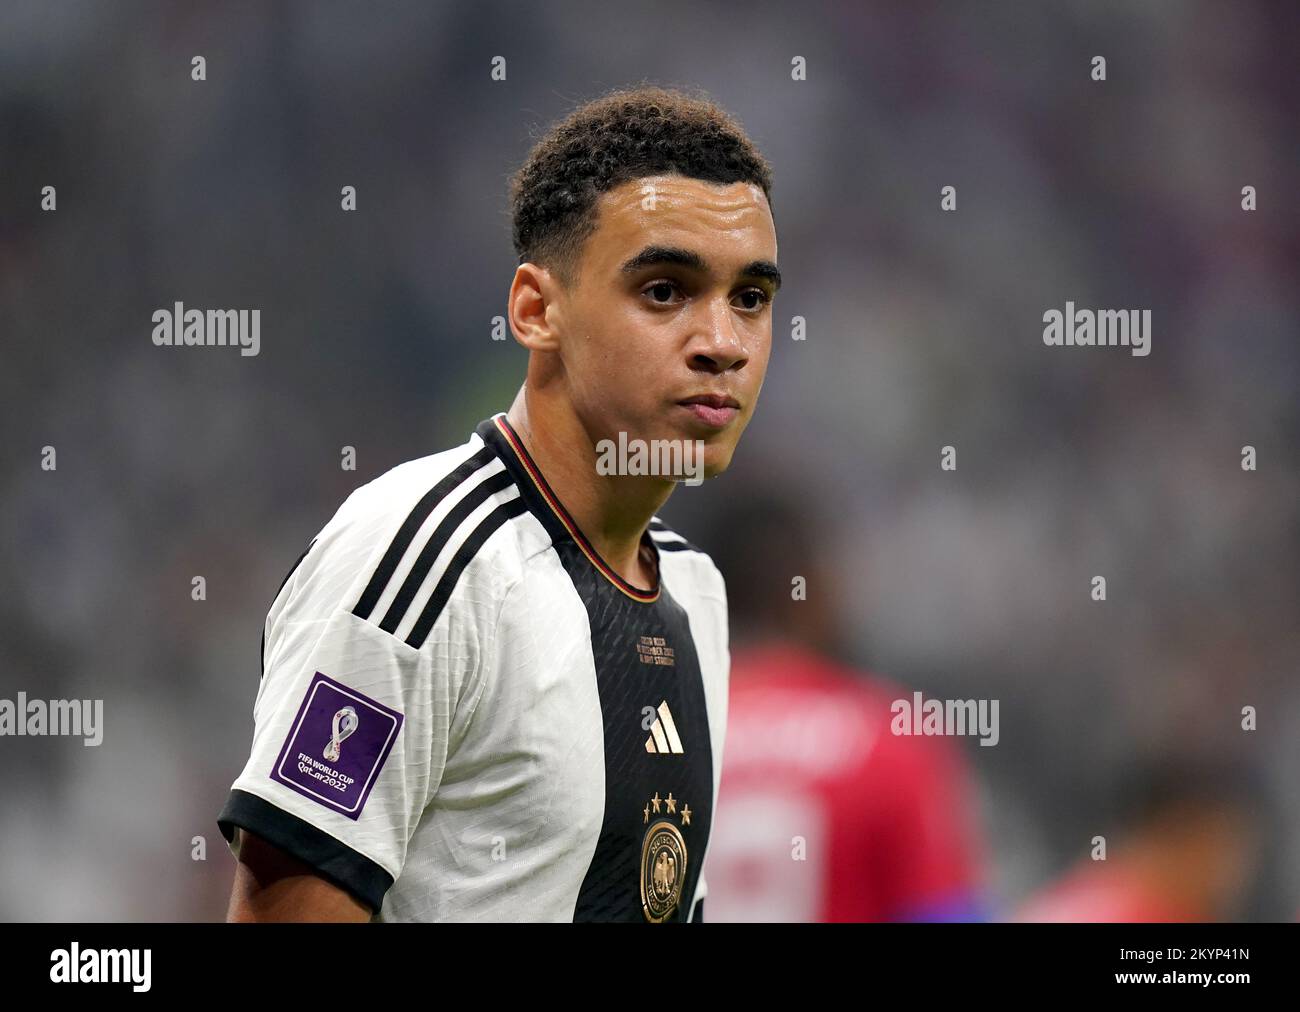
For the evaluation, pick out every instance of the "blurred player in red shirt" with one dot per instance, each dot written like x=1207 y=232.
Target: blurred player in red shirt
x=1186 y=851
x=823 y=813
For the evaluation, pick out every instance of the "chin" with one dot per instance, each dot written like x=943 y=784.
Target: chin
x=716 y=460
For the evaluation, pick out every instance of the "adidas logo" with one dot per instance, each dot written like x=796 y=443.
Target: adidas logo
x=663 y=738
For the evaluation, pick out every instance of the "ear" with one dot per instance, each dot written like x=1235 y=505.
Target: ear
x=534 y=308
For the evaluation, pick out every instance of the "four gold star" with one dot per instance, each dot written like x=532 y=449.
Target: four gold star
x=671 y=803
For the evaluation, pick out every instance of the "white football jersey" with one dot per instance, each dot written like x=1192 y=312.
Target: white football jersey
x=466 y=715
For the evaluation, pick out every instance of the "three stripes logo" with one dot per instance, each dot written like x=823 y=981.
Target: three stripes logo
x=663 y=738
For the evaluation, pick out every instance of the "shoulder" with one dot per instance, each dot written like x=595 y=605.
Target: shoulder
x=684 y=562
x=432 y=536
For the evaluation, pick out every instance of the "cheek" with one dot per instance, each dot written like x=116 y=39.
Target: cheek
x=609 y=370
x=635 y=348
x=760 y=358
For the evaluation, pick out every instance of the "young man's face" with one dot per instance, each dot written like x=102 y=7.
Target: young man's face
x=672 y=301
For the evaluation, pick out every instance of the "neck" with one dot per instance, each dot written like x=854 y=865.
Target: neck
x=612 y=511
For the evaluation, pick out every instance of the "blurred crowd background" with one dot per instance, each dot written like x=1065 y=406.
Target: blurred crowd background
x=924 y=329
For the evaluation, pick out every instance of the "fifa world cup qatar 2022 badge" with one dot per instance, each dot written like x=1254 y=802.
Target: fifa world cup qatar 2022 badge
x=663 y=857
x=337 y=744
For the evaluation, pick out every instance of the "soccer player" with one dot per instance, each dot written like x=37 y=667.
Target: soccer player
x=495 y=685
x=823 y=813
x=1185 y=845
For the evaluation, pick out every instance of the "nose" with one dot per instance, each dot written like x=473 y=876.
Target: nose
x=720 y=346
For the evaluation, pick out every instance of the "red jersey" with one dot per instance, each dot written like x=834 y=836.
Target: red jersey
x=1107 y=892
x=823 y=814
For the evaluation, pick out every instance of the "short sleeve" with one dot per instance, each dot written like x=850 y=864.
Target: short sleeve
x=352 y=725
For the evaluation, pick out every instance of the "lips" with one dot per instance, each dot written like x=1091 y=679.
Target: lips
x=712 y=400
x=713 y=410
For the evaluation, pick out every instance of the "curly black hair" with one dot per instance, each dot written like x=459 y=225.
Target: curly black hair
x=621 y=136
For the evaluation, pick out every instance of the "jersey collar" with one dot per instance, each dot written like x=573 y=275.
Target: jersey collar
x=501 y=436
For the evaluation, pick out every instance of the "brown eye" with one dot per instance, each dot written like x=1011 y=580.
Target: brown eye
x=757 y=294
x=665 y=288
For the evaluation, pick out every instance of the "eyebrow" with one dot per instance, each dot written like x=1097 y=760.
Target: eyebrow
x=653 y=256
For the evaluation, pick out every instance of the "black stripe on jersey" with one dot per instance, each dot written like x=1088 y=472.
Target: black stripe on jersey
x=546 y=505
x=437 y=542
x=406 y=533
x=342 y=865
x=634 y=778
x=468 y=549
x=491 y=435
x=673 y=545
x=292 y=569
